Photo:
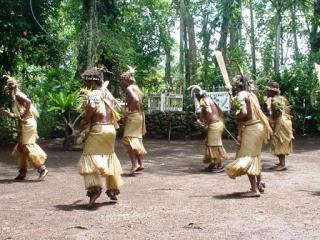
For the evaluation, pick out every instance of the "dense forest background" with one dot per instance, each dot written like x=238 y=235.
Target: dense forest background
x=47 y=44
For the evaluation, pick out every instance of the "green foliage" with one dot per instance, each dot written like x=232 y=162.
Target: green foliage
x=300 y=86
x=63 y=102
x=49 y=59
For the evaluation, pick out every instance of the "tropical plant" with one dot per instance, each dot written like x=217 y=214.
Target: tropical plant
x=67 y=105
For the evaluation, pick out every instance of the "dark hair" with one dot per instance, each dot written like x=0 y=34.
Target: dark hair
x=243 y=82
x=274 y=85
x=93 y=74
x=197 y=93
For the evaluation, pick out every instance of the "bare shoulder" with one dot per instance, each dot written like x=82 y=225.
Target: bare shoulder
x=207 y=100
x=130 y=89
x=134 y=91
x=22 y=97
x=243 y=95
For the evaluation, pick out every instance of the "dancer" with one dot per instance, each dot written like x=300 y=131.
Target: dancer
x=254 y=130
x=211 y=117
x=99 y=158
x=280 y=121
x=27 y=151
x=134 y=128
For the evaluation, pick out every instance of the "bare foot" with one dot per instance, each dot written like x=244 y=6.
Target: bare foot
x=280 y=168
x=93 y=197
x=141 y=168
x=134 y=169
x=251 y=194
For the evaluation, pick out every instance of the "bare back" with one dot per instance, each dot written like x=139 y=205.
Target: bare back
x=23 y=105
x=247 y=113
x=210 y=111
x=97 y=111
x=133 y=98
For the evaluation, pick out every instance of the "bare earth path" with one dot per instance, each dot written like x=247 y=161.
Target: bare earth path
x=172 y=199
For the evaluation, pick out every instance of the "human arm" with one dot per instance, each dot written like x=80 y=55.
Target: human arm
x=240 y=104
x=25 y=102
x=7 y=113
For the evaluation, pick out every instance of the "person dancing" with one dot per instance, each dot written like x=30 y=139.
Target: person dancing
x=254 y=130
x=99 y=159
x=27 y=151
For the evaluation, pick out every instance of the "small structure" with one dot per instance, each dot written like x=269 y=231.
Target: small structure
x=155 y=102
x=165 y=102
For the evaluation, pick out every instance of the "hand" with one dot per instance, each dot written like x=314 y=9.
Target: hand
x=201 y=124
x=7 y=113
x=3 y=110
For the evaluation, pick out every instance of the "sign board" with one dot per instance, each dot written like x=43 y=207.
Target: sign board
x=222 y=99
x=165 y=102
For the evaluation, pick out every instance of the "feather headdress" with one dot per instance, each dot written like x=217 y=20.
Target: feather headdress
x=129 y=73
x=11 y=82
x=196 y=89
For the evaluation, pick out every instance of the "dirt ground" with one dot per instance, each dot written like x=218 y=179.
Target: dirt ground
x=172 y=199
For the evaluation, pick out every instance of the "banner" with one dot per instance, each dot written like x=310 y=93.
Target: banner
x=222 y=99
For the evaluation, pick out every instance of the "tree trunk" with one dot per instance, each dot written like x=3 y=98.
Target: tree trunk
x=222 y=45
x=182 y=47
x=294 y=32
x=315 y=33
x=236 y=25
x=186 y=57
x=86 y=54
x=192 y=47
x=167 y=77
x=91 y=25
x=253 y=42
x=206 y=36
x=278 y=42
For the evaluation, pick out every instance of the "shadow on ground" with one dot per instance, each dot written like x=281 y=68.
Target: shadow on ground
x=314 y=193
x=235 y=195
x=11 y=181
x=82 y=206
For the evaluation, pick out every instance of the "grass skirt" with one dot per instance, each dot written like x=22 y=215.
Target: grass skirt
x=99 y=159
x=29 y=154
x=281 y=140
x=135 y=144
x=93 y=167
x=248 y=158
x=215 y=151
x=214 y=154
x=27 y=151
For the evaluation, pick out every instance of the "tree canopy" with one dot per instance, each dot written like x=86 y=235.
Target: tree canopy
x=47 y=44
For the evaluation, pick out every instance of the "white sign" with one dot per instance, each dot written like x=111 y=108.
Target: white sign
x=222 y=99
x=317 y=66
